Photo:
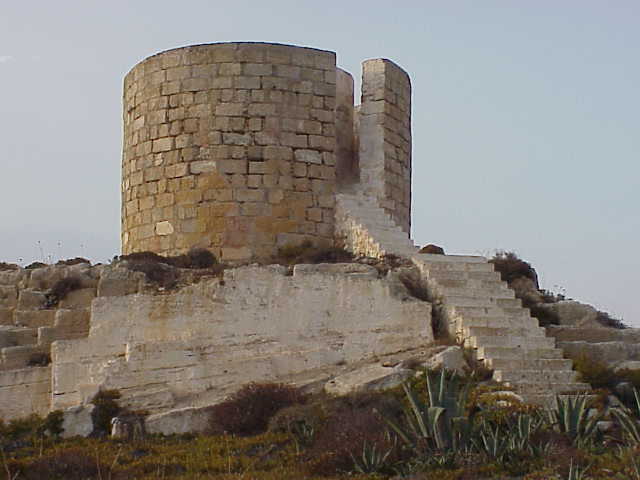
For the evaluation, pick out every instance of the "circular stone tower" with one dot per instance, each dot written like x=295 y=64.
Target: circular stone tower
x=229 y=147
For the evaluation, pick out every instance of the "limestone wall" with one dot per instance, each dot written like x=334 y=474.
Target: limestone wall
x=385 y=138
x=25 y=391
x=192 y=347
x=229 y=147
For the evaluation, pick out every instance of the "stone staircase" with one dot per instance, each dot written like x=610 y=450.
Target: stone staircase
x=483 y=313
x=367 y=229
x=479 y=309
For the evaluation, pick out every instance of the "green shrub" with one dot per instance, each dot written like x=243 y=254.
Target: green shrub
x=249 y=410
x=34 y=265
x=106 y=407
x=73 y=261
x=162 y=270
x=511 y=267
x=306 y=252
x=596 y=373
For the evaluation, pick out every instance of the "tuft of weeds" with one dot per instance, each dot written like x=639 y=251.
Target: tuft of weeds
x=34 y=265
x=414 y=286
x=596 y=373
x=107 y=407
x=39 y=359
x=8 y=266
x=512 y=267
x=306 y=252
x=162 y=270
x=194 y=259
x=61 y=289
x=608 y=321
x=73 y=261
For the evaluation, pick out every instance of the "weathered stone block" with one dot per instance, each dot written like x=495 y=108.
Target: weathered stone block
x=30 y=299
x=78 y=299
x=34 y=318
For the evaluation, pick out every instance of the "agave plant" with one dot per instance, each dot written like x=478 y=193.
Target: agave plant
x=571 y=416
x=438 y=422
x=627 y=418
x=372 y=460
x=577 y=473
x=521 y=430
x=492 y=442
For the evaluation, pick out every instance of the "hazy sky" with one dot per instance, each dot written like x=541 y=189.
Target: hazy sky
x=525 y=120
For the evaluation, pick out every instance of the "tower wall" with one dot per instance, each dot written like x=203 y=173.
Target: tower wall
x=229 y=147
x=385 y=138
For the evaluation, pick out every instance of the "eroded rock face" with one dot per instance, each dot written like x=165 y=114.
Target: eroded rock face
x=77 y=421
x=572 y=313
x=451 y=358
x=184 y=420
x=611 y=353
x=371 y=378
x=192 y=347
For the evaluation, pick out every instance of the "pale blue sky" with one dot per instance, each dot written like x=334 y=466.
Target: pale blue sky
x=525 y=120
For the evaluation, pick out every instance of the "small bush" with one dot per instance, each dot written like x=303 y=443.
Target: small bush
x=414 y=286
x=161 y=270
x=68 y=464
x=608 y=321
x=8 y=266
x=34 y=265
x=52 y=424
x=306 y=252
x=39 y=359
x=511 y=267
x=544 y=315
x=61 y=289
x=159 y=273
x=73 y=261
x=194 y=258
x=631 y=376
x=594 y=372
x=353 y=421
x=248 y=411
x=106 y=402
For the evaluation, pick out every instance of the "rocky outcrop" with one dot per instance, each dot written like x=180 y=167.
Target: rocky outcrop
x=372 y=378
x=194 y=346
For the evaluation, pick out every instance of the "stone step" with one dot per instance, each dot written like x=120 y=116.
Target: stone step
x=469 y=283
x=17 y=336
x=546 y=388
x=497 y=290
x=517 y=353
x=481 y=301
x=20 y=357
x=381 y=225
x=547 y=364
x=482 y=276
x=535 y=376
x=498 y=322
x=434 y=259
x=436 y=269
x=528 y=342
x=491 y=311
x=523 y=331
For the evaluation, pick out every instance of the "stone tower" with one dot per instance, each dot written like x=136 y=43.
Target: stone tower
x=241 y=147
